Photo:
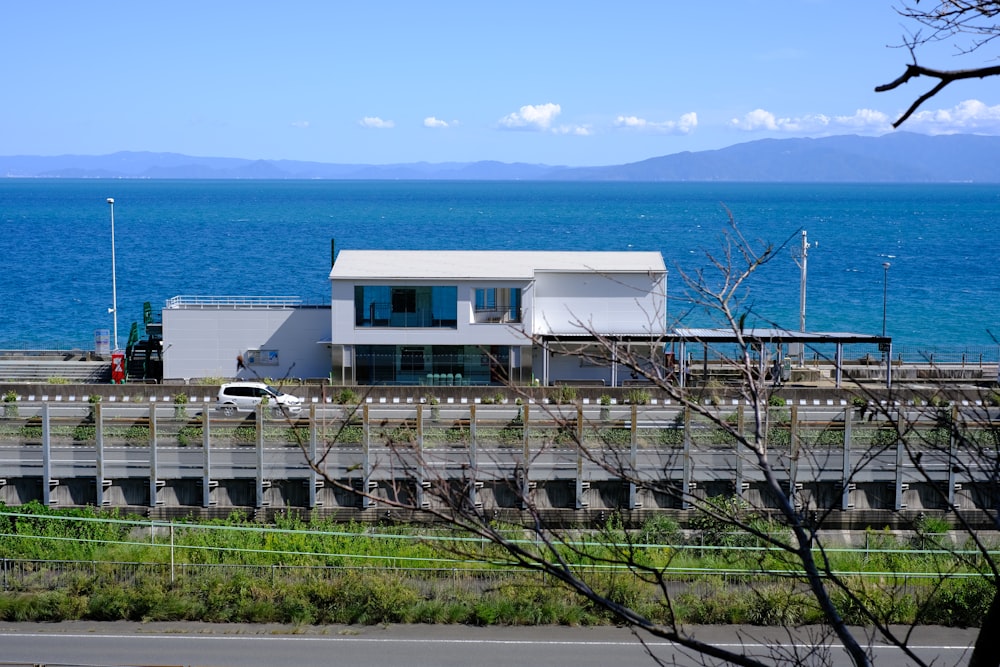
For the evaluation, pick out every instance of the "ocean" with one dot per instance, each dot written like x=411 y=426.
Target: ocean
x=273 y=238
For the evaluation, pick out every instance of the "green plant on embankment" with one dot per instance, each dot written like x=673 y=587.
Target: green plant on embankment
x=319 y=571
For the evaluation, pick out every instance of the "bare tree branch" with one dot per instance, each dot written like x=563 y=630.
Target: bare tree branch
x=944 y=78
x=968 y=24
x=544 y=547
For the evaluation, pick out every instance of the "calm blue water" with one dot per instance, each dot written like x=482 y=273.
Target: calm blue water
x=273 y=238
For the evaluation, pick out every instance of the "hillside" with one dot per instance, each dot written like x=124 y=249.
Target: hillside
x=899 y=157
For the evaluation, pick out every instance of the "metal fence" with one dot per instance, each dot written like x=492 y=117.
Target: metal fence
x=837 y=455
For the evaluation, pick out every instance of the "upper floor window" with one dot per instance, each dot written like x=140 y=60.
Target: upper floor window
x=404 y=300
x=399 y=306
x=497 y=304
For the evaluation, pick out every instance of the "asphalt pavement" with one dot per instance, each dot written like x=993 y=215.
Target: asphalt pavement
x=117 y=644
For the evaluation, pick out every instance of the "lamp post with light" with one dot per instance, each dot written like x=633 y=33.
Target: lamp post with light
x=114 y=278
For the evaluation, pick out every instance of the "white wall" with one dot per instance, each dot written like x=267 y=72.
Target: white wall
x=615 y=303
x=205 y=342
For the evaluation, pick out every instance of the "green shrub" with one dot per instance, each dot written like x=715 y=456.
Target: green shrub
x=457 y=434
x=930 y=533
x=497 y=398
x=887 y=605
x=779 y=436
x=110 y=604
x=297 y=609
x=564 y=394
x=350 y=434
x=713 y=604
x=172 y=604
x=775 y=605
x=938 y=401
x=347 y=397
x=369 y=598
x=10 y=404
x=637 y=396
x=615 y=437
x=245 y=434
x=511 y=435
x=713 y=531
x=180 y=405
x=660 y=530
x=189 y=435
x=60 y=606
x=670 y=437
x=84 y=433
x=959 y=602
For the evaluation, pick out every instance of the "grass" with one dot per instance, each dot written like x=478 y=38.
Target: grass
x=100 y=565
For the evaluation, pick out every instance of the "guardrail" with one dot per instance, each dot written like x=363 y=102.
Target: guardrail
x=562 y=457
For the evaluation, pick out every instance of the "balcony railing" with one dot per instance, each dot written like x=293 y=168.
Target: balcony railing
x=497 y=315
x=382 y=315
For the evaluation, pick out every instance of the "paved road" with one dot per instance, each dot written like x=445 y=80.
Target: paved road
x=106 y=644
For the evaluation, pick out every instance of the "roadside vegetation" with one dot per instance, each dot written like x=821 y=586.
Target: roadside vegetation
x=100 y=565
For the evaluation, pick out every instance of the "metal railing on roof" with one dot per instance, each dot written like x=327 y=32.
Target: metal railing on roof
x=195 y=301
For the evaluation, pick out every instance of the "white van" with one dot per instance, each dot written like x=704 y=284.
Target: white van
x=246 y=396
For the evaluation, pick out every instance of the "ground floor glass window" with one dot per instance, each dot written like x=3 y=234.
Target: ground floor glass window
x=431 y=364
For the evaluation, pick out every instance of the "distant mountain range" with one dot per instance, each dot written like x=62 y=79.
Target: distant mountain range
x=899 y=157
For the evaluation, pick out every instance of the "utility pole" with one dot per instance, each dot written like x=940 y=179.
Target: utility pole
x=802 y=261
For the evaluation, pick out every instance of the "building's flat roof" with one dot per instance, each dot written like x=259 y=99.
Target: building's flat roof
x=485 y=264
x=720 y=336
x=772 y=334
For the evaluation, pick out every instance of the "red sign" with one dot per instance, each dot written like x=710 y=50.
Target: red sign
x=118 y=368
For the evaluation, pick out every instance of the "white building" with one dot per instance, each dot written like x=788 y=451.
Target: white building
x=274 y=337
x=431 y=317
x=489 y=317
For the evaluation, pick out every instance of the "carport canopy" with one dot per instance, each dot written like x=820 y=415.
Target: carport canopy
x=681 y=338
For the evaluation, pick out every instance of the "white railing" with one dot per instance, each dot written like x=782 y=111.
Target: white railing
x=194 y=301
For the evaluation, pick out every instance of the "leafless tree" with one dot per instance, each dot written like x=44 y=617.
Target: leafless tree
x=970 y=25
x=721 y=287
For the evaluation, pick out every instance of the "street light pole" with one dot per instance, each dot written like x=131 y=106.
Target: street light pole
x=114 y=276
x=885 y=292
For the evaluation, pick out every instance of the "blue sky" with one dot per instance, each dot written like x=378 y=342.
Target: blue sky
x=569 y=82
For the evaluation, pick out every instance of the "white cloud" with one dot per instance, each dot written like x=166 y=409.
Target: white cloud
x=575 y=130
x=301 y=124
x=531 y=117
x=866 y=119
x=968 y=116
x=539 y=118
x=684 y=125
x=863 y=120
x=758 y=119
x=431 y=121
x=377 y=123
